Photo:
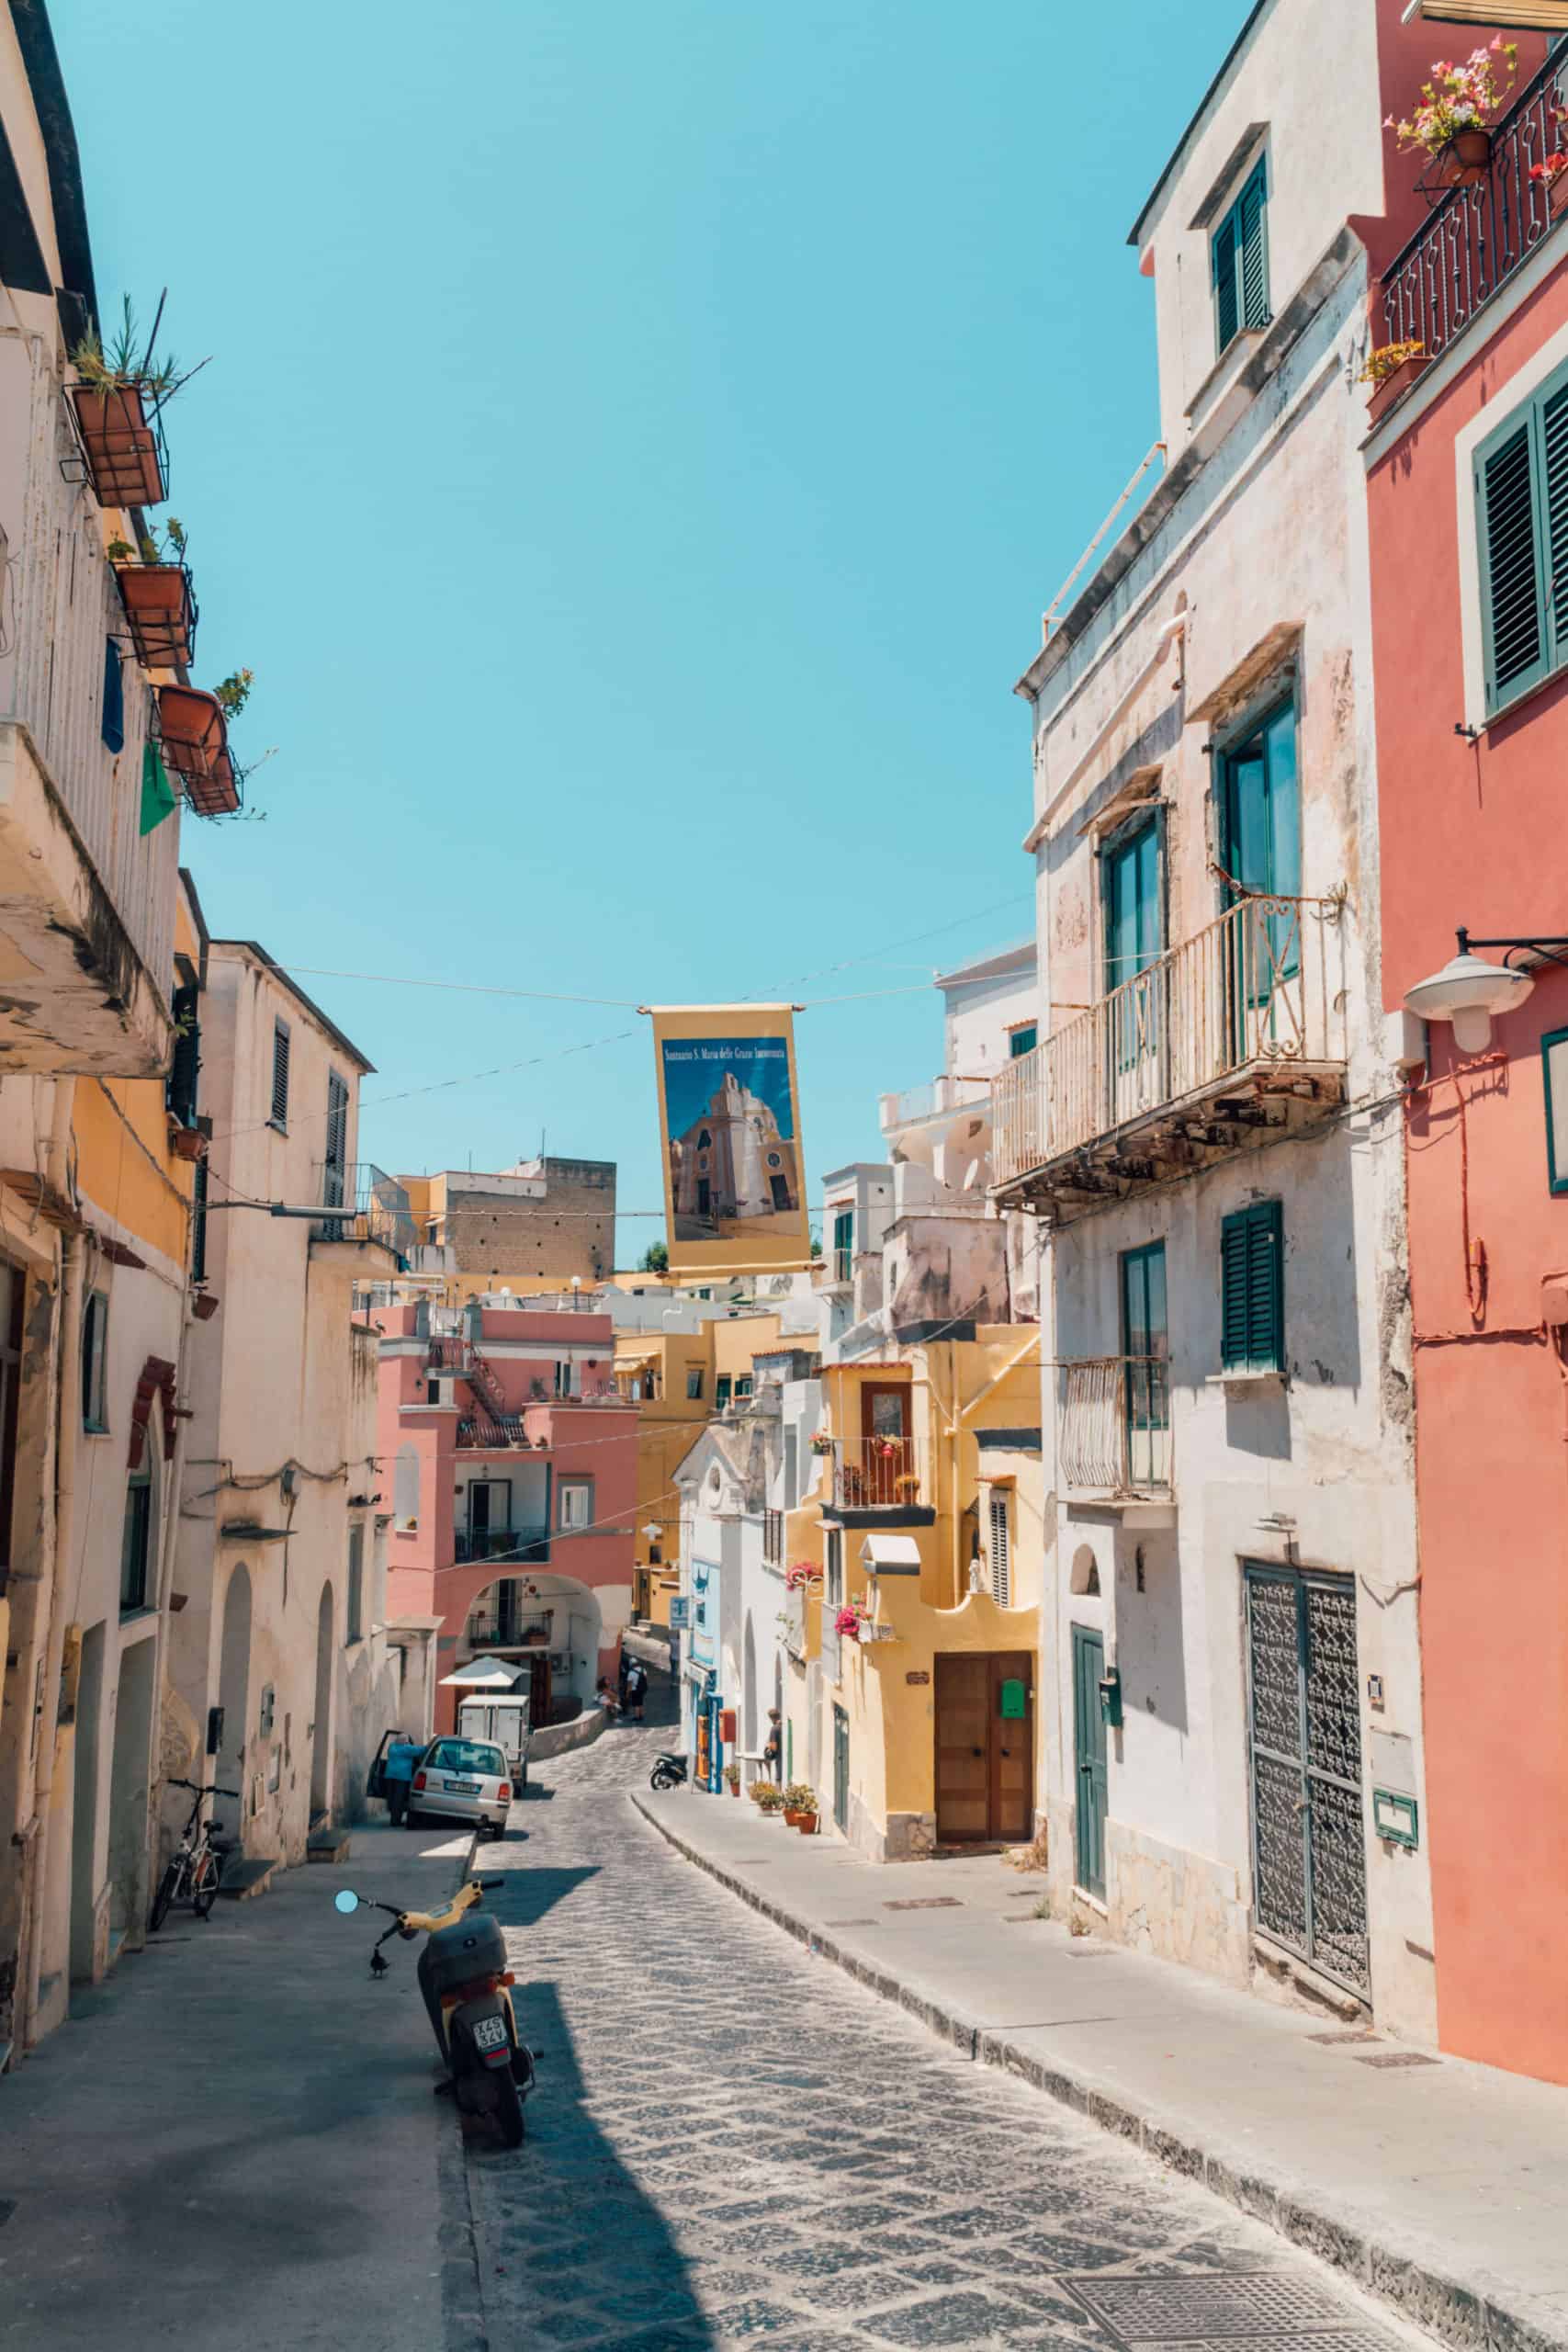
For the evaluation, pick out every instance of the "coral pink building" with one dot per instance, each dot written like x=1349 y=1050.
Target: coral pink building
x=1469 y=542
x=511 y=1462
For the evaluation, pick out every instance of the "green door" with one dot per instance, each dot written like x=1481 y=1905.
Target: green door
x=1088 y=1742
x=841 y=1770
x=1263 y=855
x=1132 y=942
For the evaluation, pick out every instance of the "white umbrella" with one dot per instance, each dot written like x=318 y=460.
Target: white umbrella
x=485 y=1674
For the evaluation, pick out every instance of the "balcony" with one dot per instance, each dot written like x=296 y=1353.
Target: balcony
x=877 y=1480
x=1477 y=236
x=530 y=1544
x=507 y=1628
x=363 y=1205
x=1236 y=1034
x=1114 y=1433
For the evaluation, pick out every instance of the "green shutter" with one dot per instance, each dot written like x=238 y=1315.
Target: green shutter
x=1554 y=472
x=1252 y=1289
x=1512 y=588
x=1253 y=253
x=1226 y=316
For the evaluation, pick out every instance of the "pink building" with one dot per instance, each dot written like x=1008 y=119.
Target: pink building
x=511 y=1464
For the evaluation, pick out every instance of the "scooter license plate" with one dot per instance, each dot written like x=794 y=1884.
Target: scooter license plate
x=462 y=1788
x=489 y=2033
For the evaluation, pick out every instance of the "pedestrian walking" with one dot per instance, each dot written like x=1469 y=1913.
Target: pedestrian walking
x=397 y=1772
x=636 y=1690
x=772 y=1746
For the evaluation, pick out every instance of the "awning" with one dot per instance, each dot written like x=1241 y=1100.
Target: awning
x=1519 y=15
x=891 y=1555
x=485 y=1674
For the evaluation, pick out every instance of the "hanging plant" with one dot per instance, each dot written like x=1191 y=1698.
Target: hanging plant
x=847 y=1623
x=799 y=1574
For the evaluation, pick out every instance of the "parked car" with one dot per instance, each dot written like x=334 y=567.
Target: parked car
x=462 y=1780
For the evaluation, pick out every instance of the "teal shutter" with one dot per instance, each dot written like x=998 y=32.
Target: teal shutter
x=1554 y=469
x=1252 y=253
x=1227 y=313
x=1252 y=1289
x=1512 y=587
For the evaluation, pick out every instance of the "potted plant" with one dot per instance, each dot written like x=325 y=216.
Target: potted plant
x=194 y=730
x=1390 y=370
x=847 y=1623
x=1451 y=122
x=154 y=587
x=800 y=1805
x=1552 y=175
x=186 y=1143
x=821 y=1441
x=119 y=400
x=769 y=1798
x=732 y=1777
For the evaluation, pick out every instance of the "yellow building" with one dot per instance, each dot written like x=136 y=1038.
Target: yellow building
x=680 y=1381
x=918 y=1724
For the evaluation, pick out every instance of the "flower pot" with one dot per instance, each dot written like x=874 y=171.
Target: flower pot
x=204 y=1306
x=160 y=610
x=192 y=729
x=793 y=1819
x=1466 y=158
x=186 y=1143
x=1557 y=195
x=807 y=1825
x=1385 y=394
x=123 y=453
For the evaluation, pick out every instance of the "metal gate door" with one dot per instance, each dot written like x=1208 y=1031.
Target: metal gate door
x=1309 y=1857
x=841 y=1770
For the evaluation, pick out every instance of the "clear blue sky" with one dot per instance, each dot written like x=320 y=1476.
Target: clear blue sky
x=640 y=443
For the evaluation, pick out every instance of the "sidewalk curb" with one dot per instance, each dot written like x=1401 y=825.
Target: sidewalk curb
x=1409 y=2286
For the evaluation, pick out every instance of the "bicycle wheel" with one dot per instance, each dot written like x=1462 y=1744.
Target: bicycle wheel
x=204 y=1883
x=168 y=1888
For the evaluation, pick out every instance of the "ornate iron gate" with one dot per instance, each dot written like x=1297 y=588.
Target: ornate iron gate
x=1309 y=1859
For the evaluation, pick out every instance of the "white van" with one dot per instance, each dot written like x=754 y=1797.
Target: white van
x=506 y=1721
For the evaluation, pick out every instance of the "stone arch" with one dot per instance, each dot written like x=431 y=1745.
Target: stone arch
x=1086 y=1571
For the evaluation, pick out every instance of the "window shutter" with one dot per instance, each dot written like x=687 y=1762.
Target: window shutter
x=1226 y=315
x=1511 y=598
x=180 y=1093
x=112 y=724
x=1253 y=253
x=1554 y=447
x=1001 y=1582
x=1252 y=1291
x=198 y=1222
x=337 y=1138
x=280 y=1076
x=1232 y=1290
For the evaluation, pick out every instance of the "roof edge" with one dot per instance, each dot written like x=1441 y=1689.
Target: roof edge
x=1135 y=232
x=270 y=964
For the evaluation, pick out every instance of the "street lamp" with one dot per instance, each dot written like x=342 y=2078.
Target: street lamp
x=1469 y=991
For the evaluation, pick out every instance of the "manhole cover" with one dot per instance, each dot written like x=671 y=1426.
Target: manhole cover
x=1397 y=2058
x=1184 y=2309
x=1337 y=2040
x=1329 y=2339
x=925 y=1903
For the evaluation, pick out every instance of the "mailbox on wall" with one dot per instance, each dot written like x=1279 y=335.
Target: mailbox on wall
x=726 y=1725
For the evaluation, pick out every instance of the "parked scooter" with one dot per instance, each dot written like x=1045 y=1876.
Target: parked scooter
x=466 y=1988
x=670 y=1772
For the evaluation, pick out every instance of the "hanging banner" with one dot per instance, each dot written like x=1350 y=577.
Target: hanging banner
x=734 y=1180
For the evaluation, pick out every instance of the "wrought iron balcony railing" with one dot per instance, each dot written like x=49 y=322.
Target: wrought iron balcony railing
x=874 y=1473
x=1255 y=989
x=362 y=1202
x=1115 y=1426
x=1479 y=234
x=502 y=1629
x=530 y=1543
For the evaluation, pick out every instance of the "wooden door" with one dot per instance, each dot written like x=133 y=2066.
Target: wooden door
x=1089 y=1742
x=985 y=1758
x=885 y=1447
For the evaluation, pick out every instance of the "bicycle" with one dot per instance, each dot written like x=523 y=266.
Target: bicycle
x=197 y=1867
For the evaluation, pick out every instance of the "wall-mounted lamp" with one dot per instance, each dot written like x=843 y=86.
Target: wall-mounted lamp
x=1469 y=991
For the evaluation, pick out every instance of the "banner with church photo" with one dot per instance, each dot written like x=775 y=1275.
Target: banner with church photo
x=734 y=1178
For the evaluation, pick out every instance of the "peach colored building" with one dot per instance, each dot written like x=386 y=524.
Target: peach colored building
x=510 y=1463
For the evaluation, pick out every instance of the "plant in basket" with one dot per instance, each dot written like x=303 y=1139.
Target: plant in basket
x=119 y=399
x=1451 y=120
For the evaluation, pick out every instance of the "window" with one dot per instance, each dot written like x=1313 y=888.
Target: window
x=1146 y=1345
x=693 y=1386
x=199 y=1222
x=833 y=1546
x=355 y=1630
x=1252 y=1284
x=1239 y=262
x=1134 y=936
x=1521 y=513
x=180 y=1091
x=94 y=1361
x=1554 y=1076
x=722 y=1386
x=704 y=1140
x=773 y=1538
x=112 y=724
x=743 y=1386
x=1024 y=1039
x=1001 y=1569
x=278 y=1116
x=137 y=1551
x=843 y=1245
x=337 y=1141
x=568 y=1377
x=576 y=1503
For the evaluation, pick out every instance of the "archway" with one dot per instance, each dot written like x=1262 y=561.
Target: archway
x=533 y=1618
x=1086 y=1571
x=322 y=1727
x=748 y=1688
x=234 y=1687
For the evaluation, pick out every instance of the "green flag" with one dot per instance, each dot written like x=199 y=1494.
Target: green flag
x=157 y=795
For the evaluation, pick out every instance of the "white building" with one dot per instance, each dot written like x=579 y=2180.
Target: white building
x=1211 y=1146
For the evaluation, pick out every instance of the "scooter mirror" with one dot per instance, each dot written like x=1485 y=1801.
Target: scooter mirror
x=346 y=1900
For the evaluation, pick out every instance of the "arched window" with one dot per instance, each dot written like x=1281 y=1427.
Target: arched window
x=1086 y=1572
x=138 y=1537
x=704 y=1140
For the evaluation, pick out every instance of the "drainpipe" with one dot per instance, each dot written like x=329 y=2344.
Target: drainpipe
x=57 y=1176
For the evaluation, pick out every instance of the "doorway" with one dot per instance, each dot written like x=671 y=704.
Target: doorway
x=1309 y=1854
x=130 y=1790
x=321 y=1728
x=841 y=1770
x=885 y=1442
x=1088 y=1750
x=985 y=1748
x=490 y=1517
x=234 y=1688
x=85 y=1957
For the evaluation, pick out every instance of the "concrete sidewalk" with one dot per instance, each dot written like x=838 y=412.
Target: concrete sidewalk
x=1440 y=2186
x=234 y=2143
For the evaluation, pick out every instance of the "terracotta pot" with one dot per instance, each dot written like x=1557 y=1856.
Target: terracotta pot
x=1557 y=195
x=204 y=1306
x=794 y=1819
x=186 y=1143
x=160 y=610
x=734 y=1788
x=1467 y=158
x=122 y=449
x=193 y=730
x=1392 y=387
x=807 y=1825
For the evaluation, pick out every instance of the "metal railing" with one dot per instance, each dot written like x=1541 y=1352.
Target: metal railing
x=375 y=1208
x=874 y=1473
x=1478 y=235
x=507 y=1628
x=483 y=1432
x=530 y=1543
x=60 y=603
x=1115 y=1425
x=924 y=1101
x=1254 y=987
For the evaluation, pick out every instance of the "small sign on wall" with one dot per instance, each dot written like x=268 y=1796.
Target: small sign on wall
x=1395 y=1818
x=680 y=1610
x=917 y=1674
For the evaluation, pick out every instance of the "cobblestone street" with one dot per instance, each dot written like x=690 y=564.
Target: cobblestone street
x=731 y=2144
